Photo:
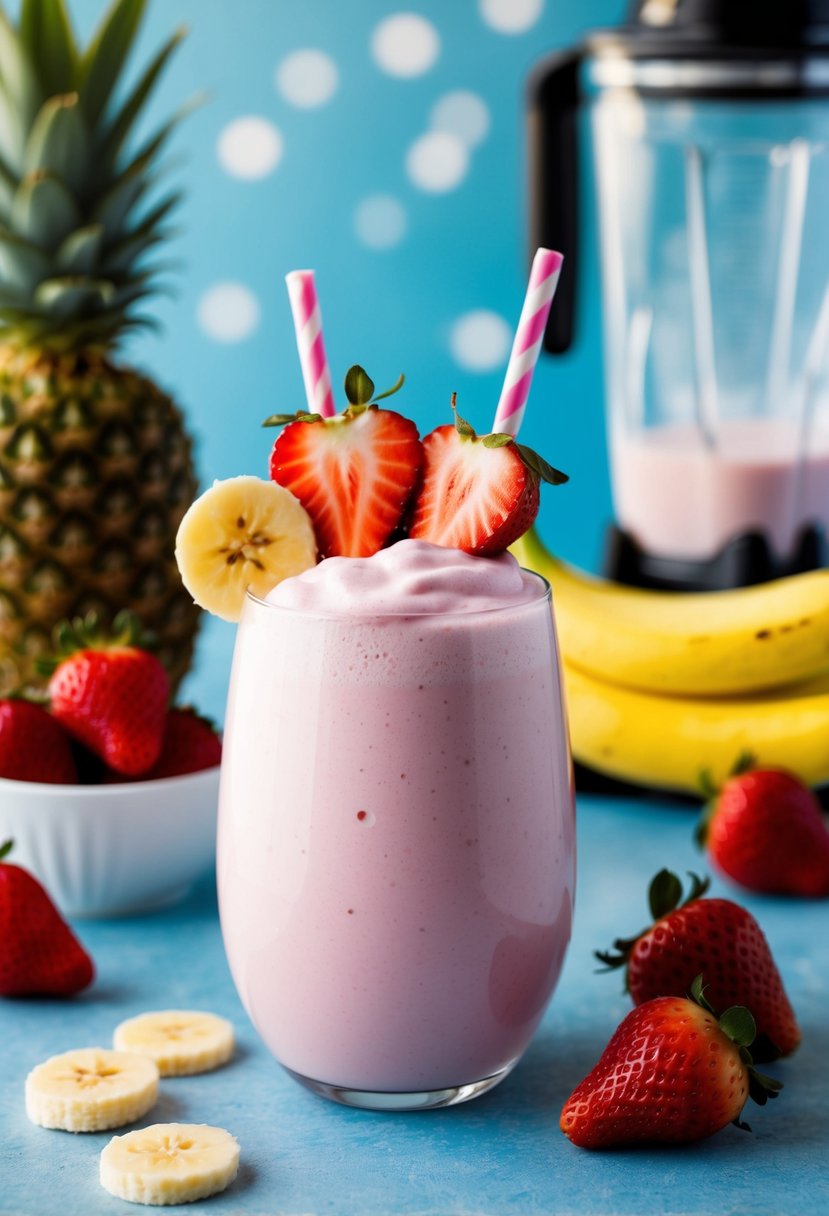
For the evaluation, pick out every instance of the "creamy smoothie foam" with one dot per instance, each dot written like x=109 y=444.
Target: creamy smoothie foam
x=396 y=824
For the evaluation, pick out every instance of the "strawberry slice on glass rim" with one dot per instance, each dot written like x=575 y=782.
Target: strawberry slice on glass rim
x=354 y=473
x=477 y=493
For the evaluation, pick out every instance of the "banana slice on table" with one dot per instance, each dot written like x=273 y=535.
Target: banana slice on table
x=242 y=534
x=91 y=1089
x=169 y=1163
x=181 y=1042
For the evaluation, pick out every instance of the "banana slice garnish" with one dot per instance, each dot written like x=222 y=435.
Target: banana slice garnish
x=243 y=534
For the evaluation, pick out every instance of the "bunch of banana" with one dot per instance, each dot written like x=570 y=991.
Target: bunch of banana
x=662 y=685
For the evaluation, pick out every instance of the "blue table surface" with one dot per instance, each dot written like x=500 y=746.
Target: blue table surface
x=503 y=1153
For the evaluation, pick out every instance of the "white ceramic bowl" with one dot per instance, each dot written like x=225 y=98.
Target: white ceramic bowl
x=109 y=850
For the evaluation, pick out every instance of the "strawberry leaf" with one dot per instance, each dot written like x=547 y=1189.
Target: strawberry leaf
x=744 y=763
x=707 y=785
x=359 y=386
x=497 y=440
x=623 y=947
x=297 y=416
x=697 y=994
x=6 y=848
x=739 y=1025
x=762 y=1088
x=664 y=894
x=395 y=388
x=540 y=467
x=699 y=887
x=461 y=425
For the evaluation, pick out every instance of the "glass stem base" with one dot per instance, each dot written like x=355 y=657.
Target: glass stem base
x=429 y=1099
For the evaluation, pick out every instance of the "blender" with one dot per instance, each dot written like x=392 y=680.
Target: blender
x=710 y=131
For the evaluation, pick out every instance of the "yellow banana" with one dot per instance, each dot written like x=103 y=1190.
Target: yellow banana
x=668 y=741
x=697 y=643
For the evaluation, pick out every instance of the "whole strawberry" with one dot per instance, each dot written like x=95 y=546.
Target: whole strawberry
x=714 y=936
x=672 y=1072
x=39 y=953
x=111 y=695
x=477 y=493
x=190 y=745
x=33 y=746
x=766 y=831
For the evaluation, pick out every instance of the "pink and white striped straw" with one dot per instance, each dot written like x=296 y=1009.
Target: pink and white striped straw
x=305 y=308
x=541 y=288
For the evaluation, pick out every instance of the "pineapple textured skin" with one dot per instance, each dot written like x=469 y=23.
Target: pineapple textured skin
x=96 y=473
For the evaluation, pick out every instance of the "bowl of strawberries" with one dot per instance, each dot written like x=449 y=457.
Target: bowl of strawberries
x=109 y=793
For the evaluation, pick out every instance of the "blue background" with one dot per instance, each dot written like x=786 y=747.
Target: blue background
x=391 y=310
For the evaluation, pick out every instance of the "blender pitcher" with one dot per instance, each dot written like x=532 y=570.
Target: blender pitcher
x=710 y=126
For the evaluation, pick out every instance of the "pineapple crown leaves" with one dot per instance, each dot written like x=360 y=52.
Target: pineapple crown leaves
x=737 y=1023
x=90 y=633
x=359 y=391
x=537 y=465
x=745 y=762
x=77 y=209
x=664 y=896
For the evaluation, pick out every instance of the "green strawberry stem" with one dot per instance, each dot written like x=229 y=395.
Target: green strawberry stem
x=89 y=633
x=738 y=1024
x=664 y=897
x=359 y=390
x=535 y=463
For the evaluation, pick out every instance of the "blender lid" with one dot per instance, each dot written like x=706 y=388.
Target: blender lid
x=725 y=25
x=726 y=48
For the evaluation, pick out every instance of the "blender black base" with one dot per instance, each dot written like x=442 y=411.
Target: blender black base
x=588 y=781
x=745 y=560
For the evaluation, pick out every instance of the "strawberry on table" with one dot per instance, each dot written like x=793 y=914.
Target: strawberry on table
x=672 y=1072
x=714 y=936
x=191 y=743
x=477 y=493
x=111 y=694
x=39 y=953
x=354 y=472
x=766 y=831
x=33 y=746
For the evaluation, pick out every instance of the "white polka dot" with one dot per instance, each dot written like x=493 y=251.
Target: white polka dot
x=510 y=16
x=463 y=114
x=250 y=147
x=405 y=44
x=480 y=340
x=228 y=312
x=307 y=78
x=380 y=221
x=437 y=162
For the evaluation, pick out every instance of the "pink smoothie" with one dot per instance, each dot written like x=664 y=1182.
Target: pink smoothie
x=679 y=498
x=396 y=836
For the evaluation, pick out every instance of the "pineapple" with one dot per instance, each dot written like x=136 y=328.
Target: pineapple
x=95 y=466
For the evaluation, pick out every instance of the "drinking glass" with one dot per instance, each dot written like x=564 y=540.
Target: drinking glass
x=396 y=844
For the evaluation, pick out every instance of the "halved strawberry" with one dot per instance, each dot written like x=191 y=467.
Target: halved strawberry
x=477 y=493
x=353 y=473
